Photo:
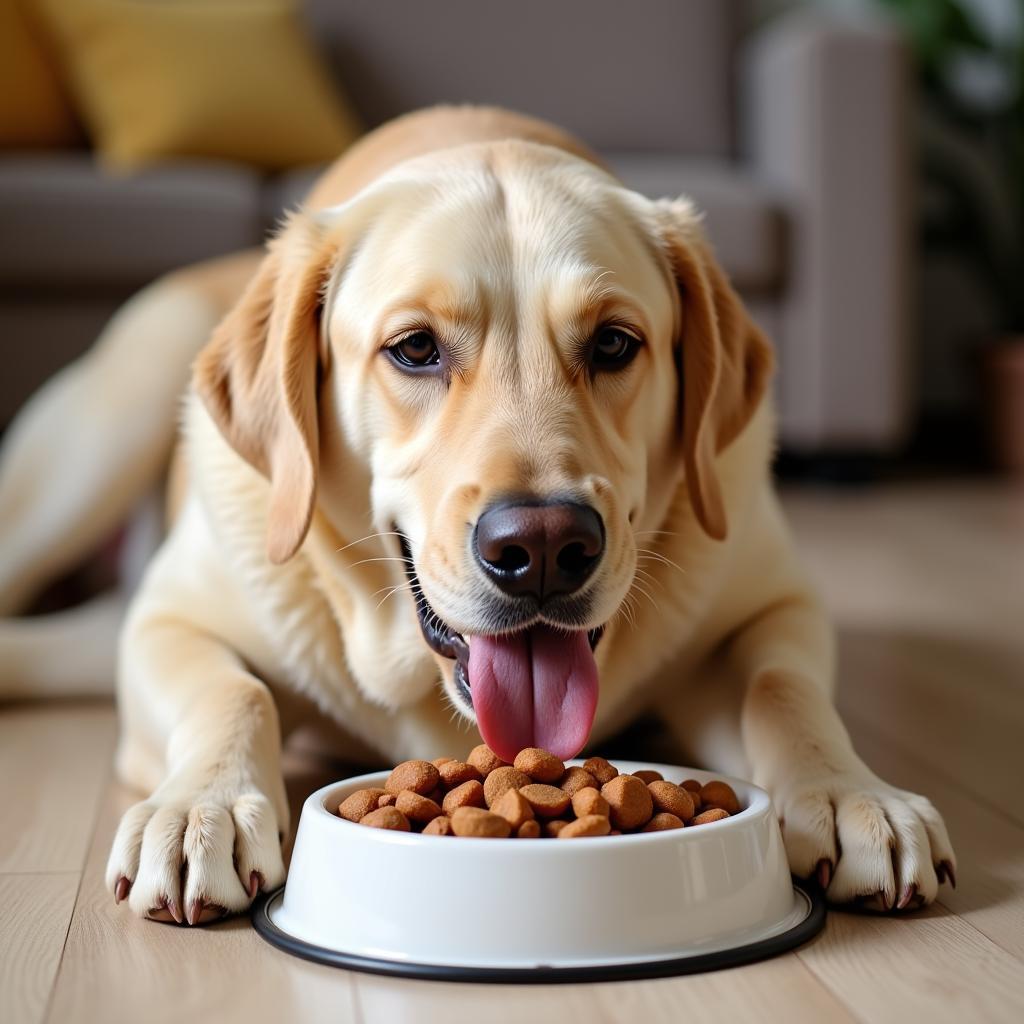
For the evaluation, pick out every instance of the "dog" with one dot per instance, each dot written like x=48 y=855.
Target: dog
x=478 y=447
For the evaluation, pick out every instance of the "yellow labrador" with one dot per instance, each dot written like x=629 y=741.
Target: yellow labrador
x=483 y=445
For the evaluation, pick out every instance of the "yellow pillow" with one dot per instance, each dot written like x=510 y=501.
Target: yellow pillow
x=34 y=110
x=200 y=78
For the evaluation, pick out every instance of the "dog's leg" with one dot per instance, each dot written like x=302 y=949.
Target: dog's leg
x=866 y=841
x=762 y=709
x=86 y=446
x=66 y=654
x=209 y=836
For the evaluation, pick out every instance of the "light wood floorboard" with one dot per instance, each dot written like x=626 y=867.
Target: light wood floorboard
x=33 y=922
x=47 y=814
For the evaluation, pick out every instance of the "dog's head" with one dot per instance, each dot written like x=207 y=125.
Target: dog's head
x=524 y=362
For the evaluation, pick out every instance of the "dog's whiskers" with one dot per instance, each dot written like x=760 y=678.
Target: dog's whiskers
x=648 y=576
x=390 y=593
x=393 y=587
x=383 y=558
x=432 y=616
x=363 y=540
x=642 y=590
x=644 y=554
x=627 y=608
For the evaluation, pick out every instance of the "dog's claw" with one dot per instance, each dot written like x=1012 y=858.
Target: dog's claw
x=200 y=912
x=255 y=883
x=879 y=902
x=211 y=912
x=948 y=871
x=122 y=889
x=823 y=872
x=166 y=911
x=906 y=897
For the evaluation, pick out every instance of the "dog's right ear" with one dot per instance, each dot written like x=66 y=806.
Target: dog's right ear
x=260 y=373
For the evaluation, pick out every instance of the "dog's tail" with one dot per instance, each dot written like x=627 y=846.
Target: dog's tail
x=80 y=456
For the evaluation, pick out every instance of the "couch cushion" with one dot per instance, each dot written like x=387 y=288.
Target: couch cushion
x=64 y=222
x=226 y=81
x=743 y=217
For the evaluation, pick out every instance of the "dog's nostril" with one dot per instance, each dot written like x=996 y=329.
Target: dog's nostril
x=513 y=558
x=573 y=558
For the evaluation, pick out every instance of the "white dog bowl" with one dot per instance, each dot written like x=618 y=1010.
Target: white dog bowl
x=539 y=910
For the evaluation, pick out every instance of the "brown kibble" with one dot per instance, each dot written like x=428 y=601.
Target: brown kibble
x=662 y=822
x=589 y=801
x=546 y=801
x=455 y=773
x=575 y=779
x=513 y=807
x=719 y=794
x=588 y=825
x=535 y=797
x=601 y=769
x=439 y=826
x=672 y=799
x=469 y=794
x=630 y=801
x=416 y=807
x=539 y=765
x=501 y=780
x=388 y=818
x=358 y=804
x=476 y=823
x=485 y=760
x=419 y=776
x=712 y=814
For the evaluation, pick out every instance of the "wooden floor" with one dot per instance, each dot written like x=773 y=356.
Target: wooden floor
x=927 y=584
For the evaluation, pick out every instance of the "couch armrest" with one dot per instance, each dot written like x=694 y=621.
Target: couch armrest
x=824 y=120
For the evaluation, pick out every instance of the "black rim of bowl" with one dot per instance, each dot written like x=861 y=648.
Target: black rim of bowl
x=764 y=949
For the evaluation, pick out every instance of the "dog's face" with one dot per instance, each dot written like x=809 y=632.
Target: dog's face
x=529 y=360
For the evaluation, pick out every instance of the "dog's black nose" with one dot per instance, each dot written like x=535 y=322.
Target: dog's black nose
x=543 y=550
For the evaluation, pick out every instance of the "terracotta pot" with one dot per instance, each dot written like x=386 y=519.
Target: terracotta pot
x=1003 y=384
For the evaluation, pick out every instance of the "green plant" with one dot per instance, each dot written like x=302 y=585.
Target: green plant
x=976 y=163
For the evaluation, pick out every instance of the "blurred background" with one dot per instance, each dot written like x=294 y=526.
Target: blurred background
x=860 y=162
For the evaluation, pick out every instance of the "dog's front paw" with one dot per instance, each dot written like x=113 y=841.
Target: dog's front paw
x=865 y=841
x=195 y=859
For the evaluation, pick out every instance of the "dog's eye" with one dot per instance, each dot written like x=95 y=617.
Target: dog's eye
x=416 y=350
x=613 y=348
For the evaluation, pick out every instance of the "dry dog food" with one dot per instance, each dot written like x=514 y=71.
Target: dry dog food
x=536 y=797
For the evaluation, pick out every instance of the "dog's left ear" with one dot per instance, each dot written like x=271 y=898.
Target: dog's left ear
x=725 y=358
x=259 y=376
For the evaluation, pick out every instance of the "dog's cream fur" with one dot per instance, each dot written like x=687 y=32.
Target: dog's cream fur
x=270 y=604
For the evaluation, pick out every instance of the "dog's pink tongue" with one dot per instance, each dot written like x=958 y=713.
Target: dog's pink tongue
x=537 y=688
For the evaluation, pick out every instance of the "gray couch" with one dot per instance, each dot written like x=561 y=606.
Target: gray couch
x=791 y=139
